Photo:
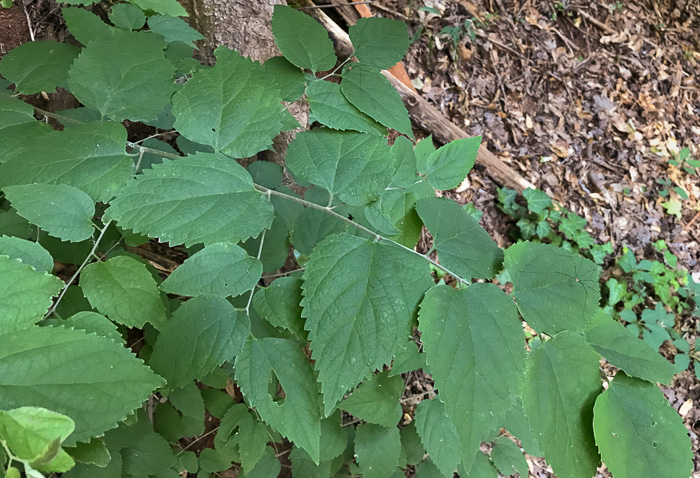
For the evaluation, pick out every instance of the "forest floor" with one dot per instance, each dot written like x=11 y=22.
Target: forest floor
x=590 y=101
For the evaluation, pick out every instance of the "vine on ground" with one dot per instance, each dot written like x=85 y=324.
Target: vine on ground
x=224 y=336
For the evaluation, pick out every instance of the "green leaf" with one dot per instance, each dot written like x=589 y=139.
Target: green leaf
x=302 y=40
x=674 y=207
x=212 y=461
x=537 y=200
x=367 y=89
x=289 y=79
x=39 y=366
x=92 y=322
x=240 y=431
x=351 y=165
x=298 y=416
x=405 y=171
x=202 y=334
x=376 y=400
x=518 y=425
x=85 y=26
x=555 y=289
x=423 y=150
x=174 y=29
x=482 y=468
x=377 y=450
x=63 y=211
x=35 y=435
x=202 y=198
x=379 y=42
x=266 y=174
x=38 y=66
x=268 y=466
x=127 y=16
x=379 y=220
x=427 y=469
x=232 y=106
x=302 y=465
x=279 y=304
x=330 y=107
x=571 y=225
x=14 y=112
x=407 y=359
x=638 y=433
x=275 y=247
x=626 y=351
x=334 y=439
x=357 y=314
x=90 y=157
x=148 y=454
x=439 y=435
x=188 y=461
x=508 y=458
x=189 y=402
x=222 y=269
x=400 y=204
x=475 y=380
x=312 y=226
x=561 y=384
x=170 y=8
x=94 y=452
x=447 y=167
x=26 y=294
x=27 y=252
x=136 y=82
x=168 y=423
x=14 y=225
x=124 y=290
x=457 y=236
x=411 y=444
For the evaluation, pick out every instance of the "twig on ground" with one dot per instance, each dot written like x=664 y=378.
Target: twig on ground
x=29 y=23
x=349 y=4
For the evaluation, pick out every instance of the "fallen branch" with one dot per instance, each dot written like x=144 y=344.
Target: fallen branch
x=427 y=117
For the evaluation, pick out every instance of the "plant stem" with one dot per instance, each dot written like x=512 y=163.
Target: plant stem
x=82 y=266
x=252 y=291
x=377 y=237
x=272 y=192
x=335 y=70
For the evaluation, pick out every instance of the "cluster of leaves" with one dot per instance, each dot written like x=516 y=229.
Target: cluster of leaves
x=540 y=220
x=216 y=348
x=675 y=194
x=640 y=293
x=455 y=33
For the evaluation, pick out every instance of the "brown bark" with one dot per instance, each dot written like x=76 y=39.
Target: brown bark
x=243 y=25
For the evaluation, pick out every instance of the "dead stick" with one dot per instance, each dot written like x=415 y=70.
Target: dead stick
x=429 y=118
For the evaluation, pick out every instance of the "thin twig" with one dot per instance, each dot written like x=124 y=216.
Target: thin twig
x=82 y=266
x=390 y=11
x=260 y=248
x=377 y=237
x=282 y=274
x=335 y=70
x=29 y=22
x=198 y=440
x=349 y=4
x=61 y=118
